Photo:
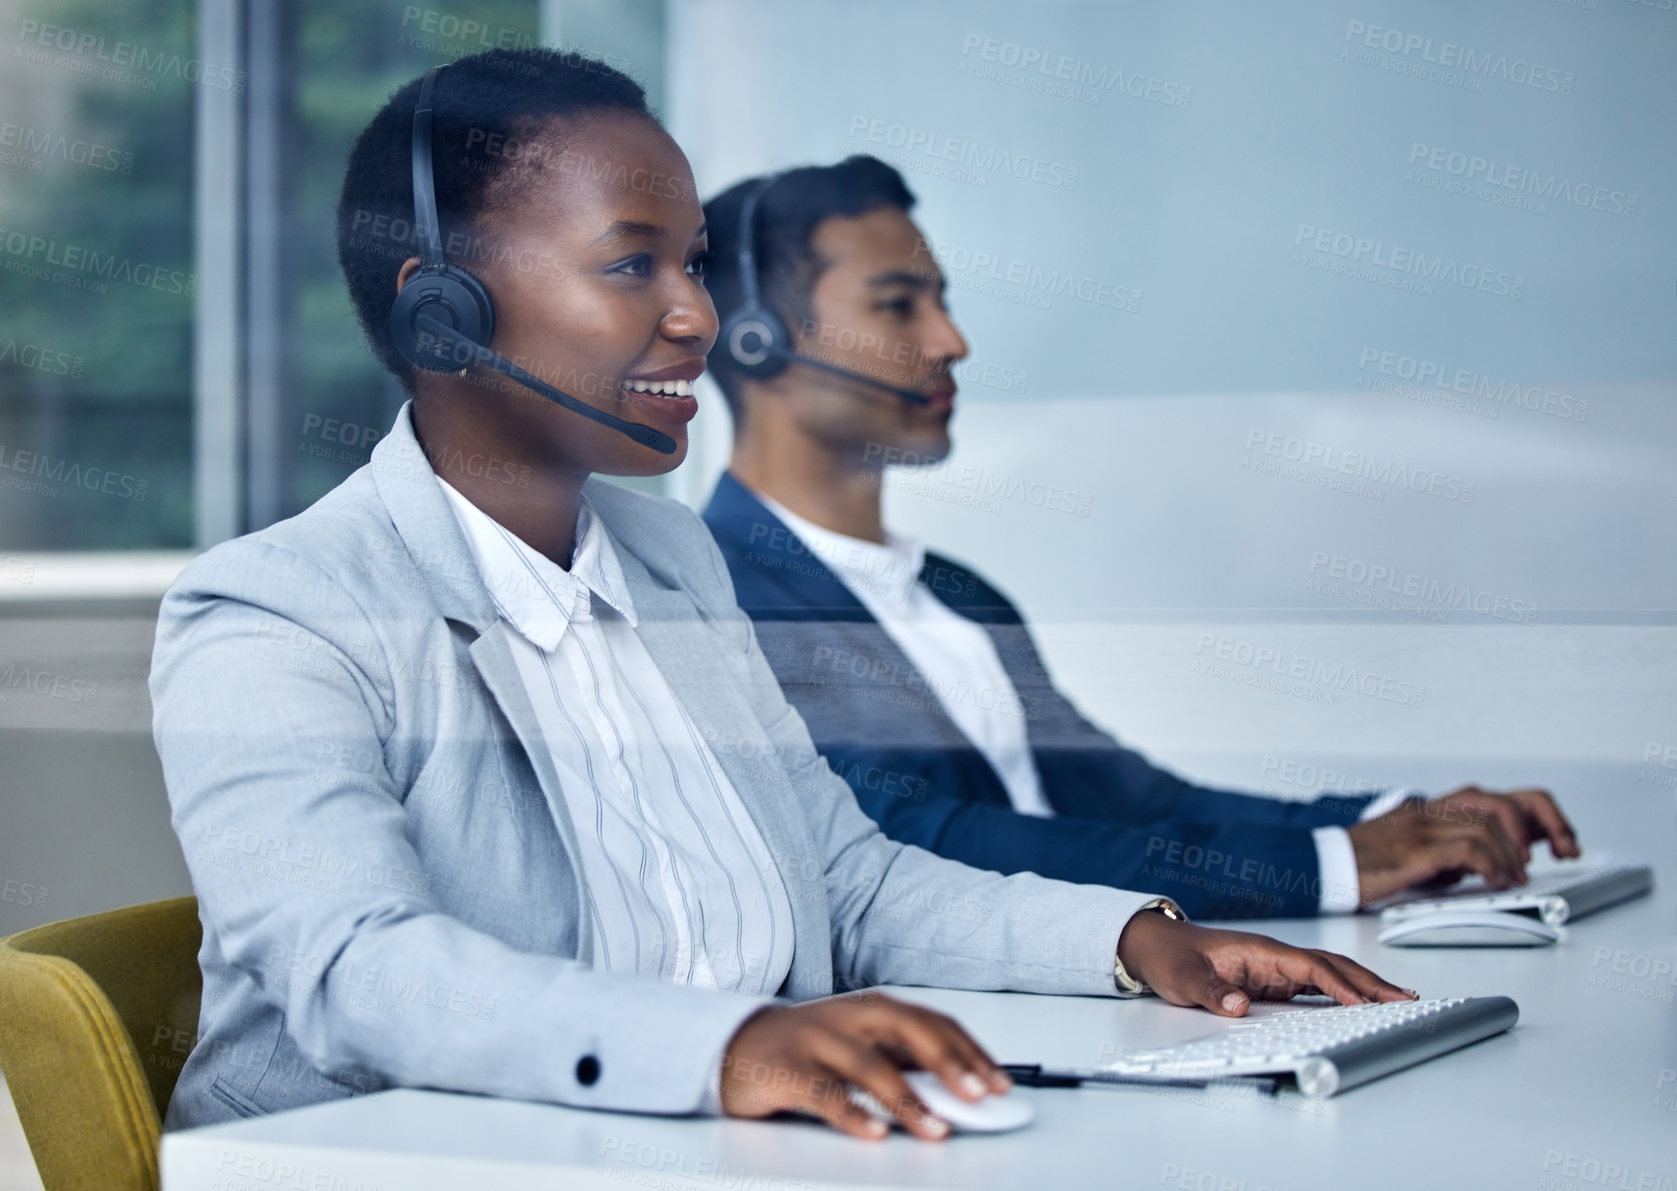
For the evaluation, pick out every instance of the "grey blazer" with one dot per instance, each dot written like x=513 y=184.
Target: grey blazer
x=383 y=857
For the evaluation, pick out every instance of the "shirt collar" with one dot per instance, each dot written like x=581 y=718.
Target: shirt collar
x=535 y=595
x=886 y=572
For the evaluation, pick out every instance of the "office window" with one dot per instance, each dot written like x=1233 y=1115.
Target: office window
x=179 y=360
x=97 y=281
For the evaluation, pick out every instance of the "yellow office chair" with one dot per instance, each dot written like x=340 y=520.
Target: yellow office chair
x=97 y=1015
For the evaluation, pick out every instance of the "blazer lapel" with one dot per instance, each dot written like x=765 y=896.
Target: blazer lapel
x=987 y=608
x=688 y=653
x=692 y=658
x=492 y=655
x=428 y=529
x=776 y=577
x=794 y=585
x=419 y=510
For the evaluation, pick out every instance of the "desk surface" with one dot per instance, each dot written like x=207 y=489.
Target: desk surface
x=1581 y=1094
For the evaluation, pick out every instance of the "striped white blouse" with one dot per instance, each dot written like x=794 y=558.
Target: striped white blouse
x=680 y=883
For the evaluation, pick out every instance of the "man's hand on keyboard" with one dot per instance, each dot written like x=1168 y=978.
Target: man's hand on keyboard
x=1466 y=831
x=1222 y=970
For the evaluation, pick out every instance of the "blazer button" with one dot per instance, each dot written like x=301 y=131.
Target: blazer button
x=587 y=1070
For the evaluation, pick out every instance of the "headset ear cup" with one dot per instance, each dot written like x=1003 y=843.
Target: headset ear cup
x=757 y=342
x=452 y=296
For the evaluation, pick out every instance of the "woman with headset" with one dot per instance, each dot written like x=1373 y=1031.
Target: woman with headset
x=482 y=779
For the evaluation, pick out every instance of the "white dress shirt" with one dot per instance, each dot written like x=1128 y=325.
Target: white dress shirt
x=680 y=884
x=959 y=662
x=955 y=655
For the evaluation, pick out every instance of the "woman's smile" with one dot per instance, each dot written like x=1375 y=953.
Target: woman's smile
x=666 y=393
x=662 y=401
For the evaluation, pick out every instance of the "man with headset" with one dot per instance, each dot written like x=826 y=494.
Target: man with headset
x=918 y=680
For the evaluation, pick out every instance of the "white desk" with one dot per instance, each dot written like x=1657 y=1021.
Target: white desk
x=1581 y=1095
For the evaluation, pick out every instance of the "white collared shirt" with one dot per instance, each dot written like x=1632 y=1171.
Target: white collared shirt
x=680 y=884
x=960 y=664
x=955 y=655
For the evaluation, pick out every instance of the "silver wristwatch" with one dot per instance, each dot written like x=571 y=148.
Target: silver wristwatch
x=1128 y=985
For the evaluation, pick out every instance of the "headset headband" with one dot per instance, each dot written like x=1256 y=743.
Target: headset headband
x=748 y=247
x=427 y=230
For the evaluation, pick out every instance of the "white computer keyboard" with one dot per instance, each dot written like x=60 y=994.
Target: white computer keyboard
x=1557 y=895
x=1331 y=1048
x=1560 y=880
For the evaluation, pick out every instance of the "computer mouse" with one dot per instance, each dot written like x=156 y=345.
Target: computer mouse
x=993 y=1114
x=1469 y=928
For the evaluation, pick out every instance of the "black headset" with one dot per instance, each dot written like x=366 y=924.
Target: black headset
x=443 y=319
x=756 y=338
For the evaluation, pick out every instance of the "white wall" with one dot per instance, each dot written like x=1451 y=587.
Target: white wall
x=1202 y=440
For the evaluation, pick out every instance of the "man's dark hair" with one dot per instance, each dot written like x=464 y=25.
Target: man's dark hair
x=491 y=139
x=787 y=264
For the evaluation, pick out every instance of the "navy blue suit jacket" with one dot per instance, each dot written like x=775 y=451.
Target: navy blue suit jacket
x=1120 y=820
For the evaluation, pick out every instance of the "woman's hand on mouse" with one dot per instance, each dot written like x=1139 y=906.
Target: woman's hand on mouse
x=1225 y=970
x=806 y=1058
